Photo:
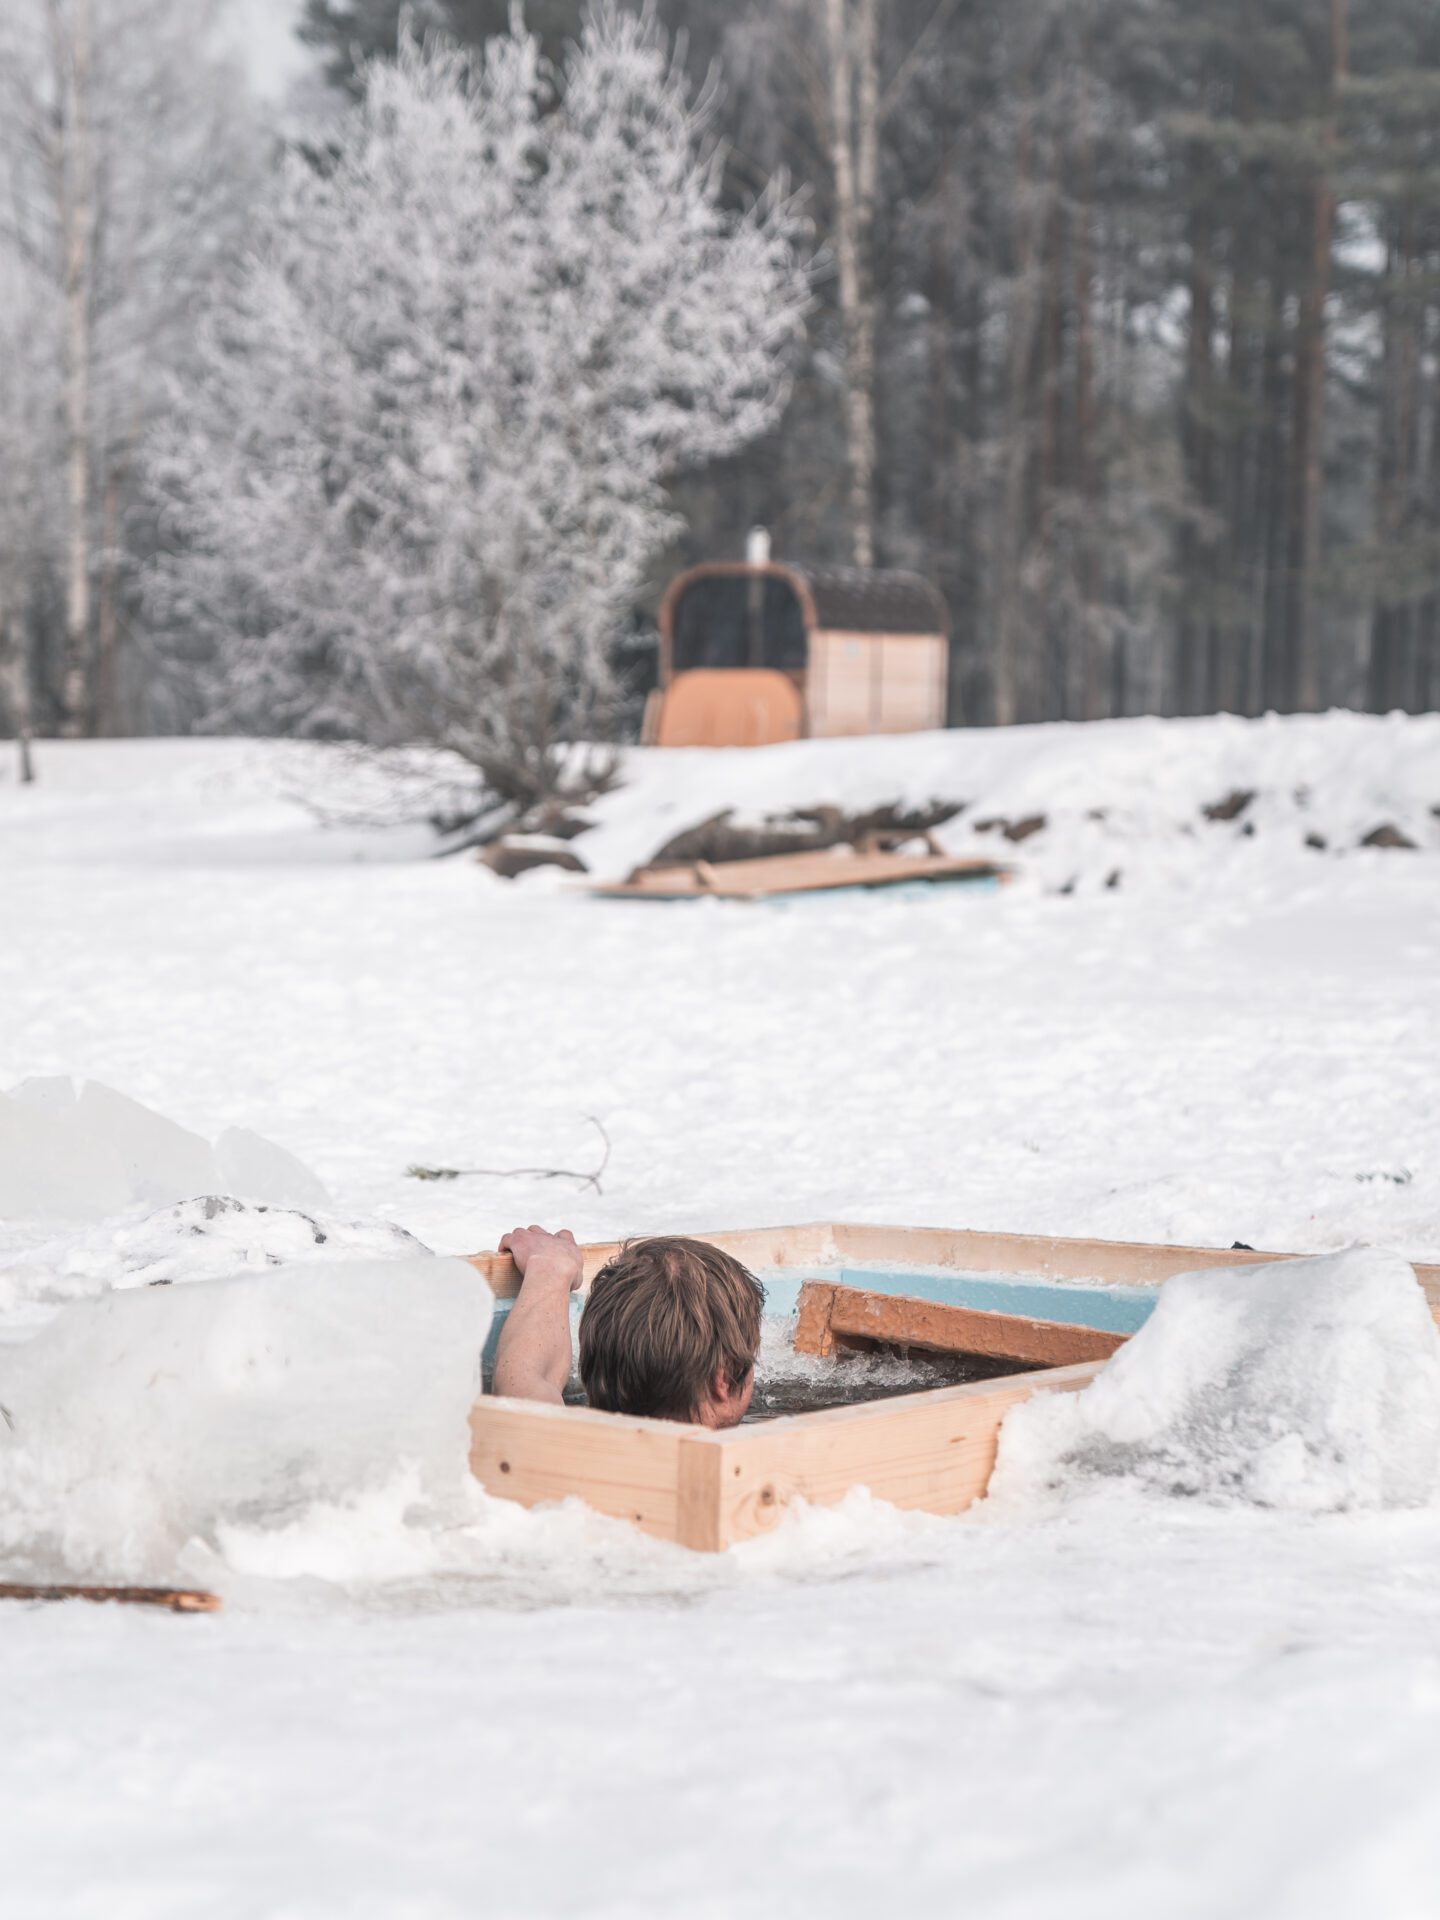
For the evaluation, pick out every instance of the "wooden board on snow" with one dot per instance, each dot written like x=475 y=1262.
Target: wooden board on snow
x=783 y=873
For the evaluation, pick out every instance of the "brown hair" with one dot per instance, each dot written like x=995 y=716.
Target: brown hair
x=663 y=1318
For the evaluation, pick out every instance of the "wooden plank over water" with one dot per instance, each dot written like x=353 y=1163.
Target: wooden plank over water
x=842 y=1316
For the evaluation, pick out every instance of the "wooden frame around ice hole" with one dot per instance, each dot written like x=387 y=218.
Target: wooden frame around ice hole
x=933 y=1451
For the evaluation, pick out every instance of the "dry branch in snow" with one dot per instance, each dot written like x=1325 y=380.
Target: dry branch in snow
x=590 y=1179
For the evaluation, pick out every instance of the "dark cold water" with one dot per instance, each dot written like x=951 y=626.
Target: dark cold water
x=788 y=1382
x=804 y=1385
x=851 y=1380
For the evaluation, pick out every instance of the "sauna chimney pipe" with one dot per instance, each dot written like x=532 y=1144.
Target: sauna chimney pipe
x=757 y=554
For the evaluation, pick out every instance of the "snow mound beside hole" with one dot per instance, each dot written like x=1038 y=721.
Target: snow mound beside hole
x=89 y=1155
x=212 y=1237
x=142 y=1421
x=1308 y=1385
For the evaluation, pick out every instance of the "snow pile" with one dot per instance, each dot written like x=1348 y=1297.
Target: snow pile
x=209 y=1238
x=1310 y=1385
x=1170 y=801
x=1287 y=798
x=89 y=1155
x=143 y=1421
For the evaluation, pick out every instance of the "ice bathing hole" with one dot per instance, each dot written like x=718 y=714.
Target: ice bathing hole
x=1306 y=1384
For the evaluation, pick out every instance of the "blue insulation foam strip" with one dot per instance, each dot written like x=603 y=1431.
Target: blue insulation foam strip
x=902 y=889
x=808 y=896
x=502 y=1308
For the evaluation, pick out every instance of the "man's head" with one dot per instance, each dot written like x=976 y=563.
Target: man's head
x=671 y=1330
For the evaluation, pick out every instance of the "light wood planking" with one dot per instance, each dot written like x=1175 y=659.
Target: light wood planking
x=708 y=1490
x=932 y=1451
x=822 y=1243
x=860 y=683
x=912 y=682
x=698 y=1503
x=529 y=1451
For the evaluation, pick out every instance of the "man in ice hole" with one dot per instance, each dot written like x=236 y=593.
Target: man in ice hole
x=671 y=1328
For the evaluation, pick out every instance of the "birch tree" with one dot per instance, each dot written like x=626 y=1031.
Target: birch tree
x=809 y=73
x=1303 y=638
x=853 y=44
x=27 y=408
x=413 y=491
x=128 y=155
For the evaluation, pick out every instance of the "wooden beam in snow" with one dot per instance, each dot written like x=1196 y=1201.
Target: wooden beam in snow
x=175 y=1599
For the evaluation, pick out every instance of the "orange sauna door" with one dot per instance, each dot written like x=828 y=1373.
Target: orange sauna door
x=729 y=707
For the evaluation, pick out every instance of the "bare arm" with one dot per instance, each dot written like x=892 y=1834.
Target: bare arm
x=532 y=1361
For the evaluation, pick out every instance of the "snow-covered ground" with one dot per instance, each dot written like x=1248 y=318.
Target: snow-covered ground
x=1118 y=1705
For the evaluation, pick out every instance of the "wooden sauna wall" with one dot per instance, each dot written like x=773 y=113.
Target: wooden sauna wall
x=875 y=683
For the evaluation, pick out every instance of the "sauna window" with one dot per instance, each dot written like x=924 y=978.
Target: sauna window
x=738 y=620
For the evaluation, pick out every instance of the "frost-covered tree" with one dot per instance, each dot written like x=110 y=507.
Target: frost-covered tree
x=414 y=492
x=349 y=34
x=127 y=153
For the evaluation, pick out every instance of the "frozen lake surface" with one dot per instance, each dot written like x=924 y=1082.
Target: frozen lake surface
x=1125 y=1705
